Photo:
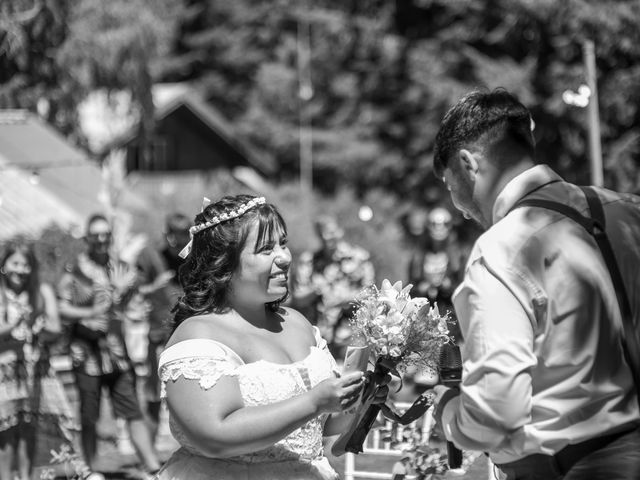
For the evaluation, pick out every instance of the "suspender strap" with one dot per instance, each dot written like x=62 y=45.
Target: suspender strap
x=595 y=206
x=630 y=343
x=595 y=225
x=589 y=224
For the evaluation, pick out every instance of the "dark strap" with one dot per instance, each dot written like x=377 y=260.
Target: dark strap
x=595 y=225
x=589 y=224
x=562 y=461
x=572 y=454
x=630 y=339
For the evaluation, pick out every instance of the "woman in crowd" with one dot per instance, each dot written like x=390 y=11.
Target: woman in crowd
x=250 y=385
x=33 y=405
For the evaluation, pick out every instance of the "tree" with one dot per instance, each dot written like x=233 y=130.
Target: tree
x=116 y=46
x=382 y=74
x=534 y=49
x=31 y=31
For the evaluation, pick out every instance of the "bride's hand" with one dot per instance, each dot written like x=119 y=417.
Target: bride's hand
x=338 y=394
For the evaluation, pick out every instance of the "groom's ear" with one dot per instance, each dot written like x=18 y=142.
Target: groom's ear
x=468 y=163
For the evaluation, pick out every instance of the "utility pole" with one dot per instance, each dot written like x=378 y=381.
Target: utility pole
x=595 y=149
x=305 y=93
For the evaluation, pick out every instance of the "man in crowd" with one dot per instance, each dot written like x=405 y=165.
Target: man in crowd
x=546 y=389
x=435 y=266
x=93 y=295
x=326 y=281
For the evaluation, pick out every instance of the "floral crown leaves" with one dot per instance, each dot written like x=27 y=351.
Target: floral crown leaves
x=223 y=217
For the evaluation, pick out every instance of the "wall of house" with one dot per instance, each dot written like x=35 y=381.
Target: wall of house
x=185 y=142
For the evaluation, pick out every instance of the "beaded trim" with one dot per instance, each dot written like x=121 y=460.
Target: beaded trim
x=223 y=217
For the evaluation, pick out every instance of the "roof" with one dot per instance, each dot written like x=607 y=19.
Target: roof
x=64 y=189
x=168 y=97
x=28 y=209
x=28 y=142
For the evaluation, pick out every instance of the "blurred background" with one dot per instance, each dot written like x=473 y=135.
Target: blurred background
x=321 y=106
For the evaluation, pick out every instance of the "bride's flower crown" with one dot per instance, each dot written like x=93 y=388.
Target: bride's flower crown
x=223 y=217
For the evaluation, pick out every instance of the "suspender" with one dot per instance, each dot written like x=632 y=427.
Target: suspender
x=595 y=225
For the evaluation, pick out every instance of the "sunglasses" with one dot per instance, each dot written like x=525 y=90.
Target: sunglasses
x=99 y=236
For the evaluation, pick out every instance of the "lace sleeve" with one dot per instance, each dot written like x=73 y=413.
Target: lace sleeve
x=197 y=359
x=206 y=370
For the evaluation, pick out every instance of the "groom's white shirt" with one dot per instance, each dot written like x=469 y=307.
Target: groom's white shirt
x=532 y=315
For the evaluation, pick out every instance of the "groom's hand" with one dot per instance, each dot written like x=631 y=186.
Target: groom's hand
x=377 y=386
x=382 y=392
x=443 y=395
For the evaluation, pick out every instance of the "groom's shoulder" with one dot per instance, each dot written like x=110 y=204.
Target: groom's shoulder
x=500 y=244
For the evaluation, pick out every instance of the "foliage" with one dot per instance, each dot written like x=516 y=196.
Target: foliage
x=113 y=45
x=380 y=77
x=424 y=450
x=367 y=81
x=74 y=467
x=31 y=33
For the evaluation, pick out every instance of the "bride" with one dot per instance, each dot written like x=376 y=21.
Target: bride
x=250 y=385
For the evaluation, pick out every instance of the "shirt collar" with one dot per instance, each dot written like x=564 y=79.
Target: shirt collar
x=521 y=185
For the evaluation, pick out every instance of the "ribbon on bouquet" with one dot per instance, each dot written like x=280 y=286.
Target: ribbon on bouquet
x=352 y=440
x=414 y=412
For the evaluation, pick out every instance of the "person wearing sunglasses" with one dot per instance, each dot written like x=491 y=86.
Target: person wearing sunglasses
x=92 y=300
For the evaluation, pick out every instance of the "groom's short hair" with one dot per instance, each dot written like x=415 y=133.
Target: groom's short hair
x=496 y=120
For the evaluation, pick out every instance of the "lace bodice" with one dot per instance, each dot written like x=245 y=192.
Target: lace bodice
x=261 y=383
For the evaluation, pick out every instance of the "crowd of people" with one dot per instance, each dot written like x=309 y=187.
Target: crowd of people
x=95 y=300
x=244 y=341
x=32 y=398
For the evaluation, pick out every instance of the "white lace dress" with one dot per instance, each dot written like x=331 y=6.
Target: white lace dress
x=298 y=456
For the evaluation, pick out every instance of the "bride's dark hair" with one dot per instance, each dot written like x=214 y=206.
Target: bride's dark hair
x=206 y=274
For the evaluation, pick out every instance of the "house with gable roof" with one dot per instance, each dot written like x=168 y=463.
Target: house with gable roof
x=190 y=134
x=195 y=150
x=44 y=180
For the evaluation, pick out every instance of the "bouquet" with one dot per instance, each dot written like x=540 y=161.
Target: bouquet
x=400 y=331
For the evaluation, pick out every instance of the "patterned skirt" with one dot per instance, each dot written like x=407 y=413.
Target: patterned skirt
x=32 y=397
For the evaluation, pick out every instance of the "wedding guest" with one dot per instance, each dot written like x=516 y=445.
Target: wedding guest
x=33 y=404
x=435 y=267
x=93 y=295
x=155 y=285
x=325 y=282
x=250 y=385
x=546 y=389
x=436 y=263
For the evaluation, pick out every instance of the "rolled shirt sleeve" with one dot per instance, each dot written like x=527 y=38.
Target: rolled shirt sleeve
x=496 y=390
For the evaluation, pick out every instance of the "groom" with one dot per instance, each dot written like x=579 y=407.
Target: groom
x=545 y=389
